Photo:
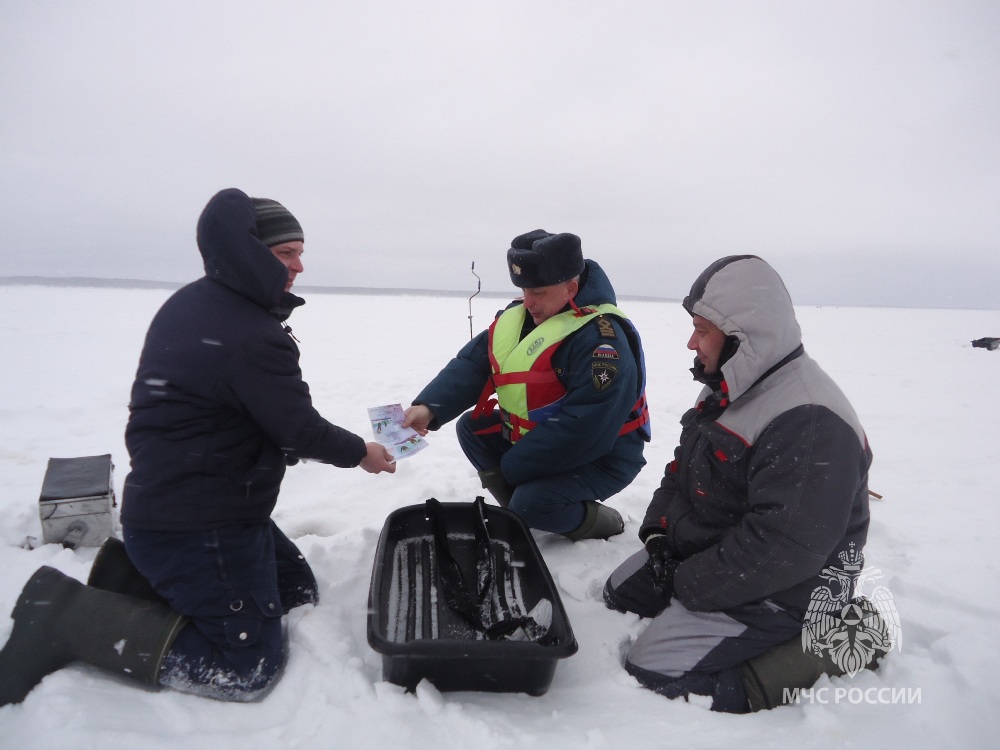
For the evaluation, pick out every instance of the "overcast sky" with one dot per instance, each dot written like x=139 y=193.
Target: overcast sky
x=855 y=144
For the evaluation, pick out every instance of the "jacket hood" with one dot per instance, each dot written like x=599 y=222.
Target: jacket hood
x=746 y=298
x=236 y=258
x=595 y=286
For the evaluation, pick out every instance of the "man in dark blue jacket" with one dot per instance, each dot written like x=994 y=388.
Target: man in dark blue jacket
x=218 y=409
x=558 y=383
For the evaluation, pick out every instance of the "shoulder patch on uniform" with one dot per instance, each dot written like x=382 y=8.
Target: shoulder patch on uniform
x=605 y=328
x=603 y=373
x=605 y=351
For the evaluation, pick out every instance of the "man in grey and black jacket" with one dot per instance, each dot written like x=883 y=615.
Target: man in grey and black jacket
x=768 y=487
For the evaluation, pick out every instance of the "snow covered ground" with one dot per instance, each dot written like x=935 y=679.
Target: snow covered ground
x=927 y=400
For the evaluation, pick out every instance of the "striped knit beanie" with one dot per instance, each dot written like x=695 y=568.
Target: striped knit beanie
x=275 y=223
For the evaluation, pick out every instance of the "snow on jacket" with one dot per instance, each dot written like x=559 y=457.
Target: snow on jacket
x=770 y=481
x=585 y=430
x=219 y=405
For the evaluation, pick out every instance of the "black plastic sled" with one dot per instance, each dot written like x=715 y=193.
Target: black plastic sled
x=460 y=596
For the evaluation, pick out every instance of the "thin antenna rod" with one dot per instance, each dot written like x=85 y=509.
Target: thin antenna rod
x=479 y=286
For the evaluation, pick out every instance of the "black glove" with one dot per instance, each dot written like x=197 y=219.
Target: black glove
x=661 y=564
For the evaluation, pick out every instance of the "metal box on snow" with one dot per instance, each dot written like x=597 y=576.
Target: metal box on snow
x=76 y=501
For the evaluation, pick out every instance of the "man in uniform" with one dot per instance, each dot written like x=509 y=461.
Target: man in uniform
x=558 y=385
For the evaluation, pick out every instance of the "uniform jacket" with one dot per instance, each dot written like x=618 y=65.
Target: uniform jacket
x=585 y=430
x=219 y=405
x=769 y=484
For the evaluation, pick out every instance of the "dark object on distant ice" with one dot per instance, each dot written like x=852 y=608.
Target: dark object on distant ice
x=992 y=344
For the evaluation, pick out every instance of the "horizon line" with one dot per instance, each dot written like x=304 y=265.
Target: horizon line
x=102 y=282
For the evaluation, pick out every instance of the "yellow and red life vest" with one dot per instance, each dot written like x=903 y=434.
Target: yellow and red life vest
x=527 y=388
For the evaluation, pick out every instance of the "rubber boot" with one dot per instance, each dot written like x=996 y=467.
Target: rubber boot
x=599 y=522
x=767 y=677
x=113 y=571
x=786 y=667
x=496 y=485
x=58 y=620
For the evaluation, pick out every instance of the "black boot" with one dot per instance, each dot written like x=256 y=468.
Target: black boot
x=113 y=571
x=599 y=522
x=496 y=485
x=58 y=620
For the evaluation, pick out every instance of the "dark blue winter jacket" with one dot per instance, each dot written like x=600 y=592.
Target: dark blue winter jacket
x=586 y=430
x=219 y=405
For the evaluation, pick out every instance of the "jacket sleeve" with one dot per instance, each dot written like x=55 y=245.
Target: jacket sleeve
x=587 y=425
x=265 y=379
x=804 y=475
x=655 y=520
x=458 y=386
x=658 y=511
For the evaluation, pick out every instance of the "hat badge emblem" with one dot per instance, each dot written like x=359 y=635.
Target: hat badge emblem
x=516 y=269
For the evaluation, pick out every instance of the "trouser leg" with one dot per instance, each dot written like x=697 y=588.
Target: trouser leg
x=113 y=571
x=702 y=653
x=225 y=581
x=554 y=504
x=484 y=448
x=563 y=503
x=296 y=581
x=482 y=445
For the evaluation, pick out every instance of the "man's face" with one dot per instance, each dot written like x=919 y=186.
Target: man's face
x=707 y=342
x=290 y=255
x=545 y=301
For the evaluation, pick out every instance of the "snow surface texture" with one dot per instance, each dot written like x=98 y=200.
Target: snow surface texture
x=925 y=396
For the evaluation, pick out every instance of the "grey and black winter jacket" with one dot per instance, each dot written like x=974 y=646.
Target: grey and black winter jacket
x=219 y=405
x=770 y=481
